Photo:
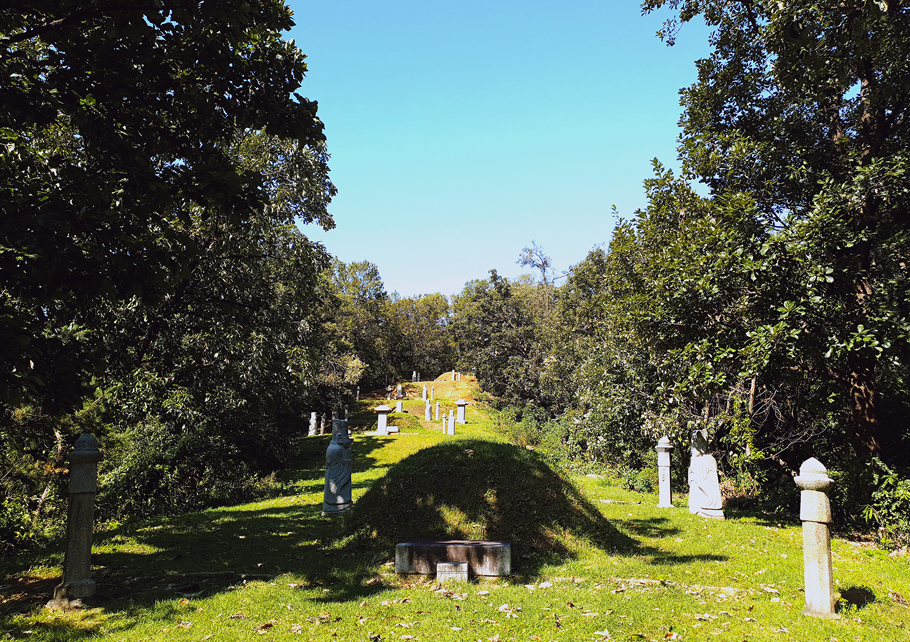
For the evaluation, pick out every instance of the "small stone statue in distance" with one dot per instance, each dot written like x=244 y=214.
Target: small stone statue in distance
x=704 y=489
x=337 y=496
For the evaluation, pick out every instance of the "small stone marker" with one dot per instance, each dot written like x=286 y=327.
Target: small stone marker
x=414 y=376
x=398 y=406
x=453 y=375
x=77 y=579
x=663 y=470
x=383 y=419
x=432 y=392
x=704 y=489
x=815 y=514
x=358 y=393
x=426 y=411
x=461 y=403
x=452 y=572
x=451 y=422
x=337 y=493
x=437 y=411
x=459 y=376
x=424 y=391
x=345 y=413
x=445 y=429
x=322 y=425
x=312 y=431
x=398 y=393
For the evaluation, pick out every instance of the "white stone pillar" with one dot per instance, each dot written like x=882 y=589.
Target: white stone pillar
x=383 y=419
x=426 y=411
x=312 y=431
x=663 y=469
x=451 y=422
x=815 y=514
x=445 y=426
x=453 y=375
x=398 y=406
x=437 y=411
x=432 y=392
x=424 y=396
x=358 y=393
x=83 y=484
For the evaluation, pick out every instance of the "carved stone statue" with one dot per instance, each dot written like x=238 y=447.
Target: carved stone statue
x=704 y=489
x=336 y=497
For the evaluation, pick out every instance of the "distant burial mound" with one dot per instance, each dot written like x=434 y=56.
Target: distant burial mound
x=477 y=489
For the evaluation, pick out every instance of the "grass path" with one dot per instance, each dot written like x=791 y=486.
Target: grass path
x=279 y=570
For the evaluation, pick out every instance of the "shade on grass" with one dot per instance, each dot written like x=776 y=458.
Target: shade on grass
x=479 y=489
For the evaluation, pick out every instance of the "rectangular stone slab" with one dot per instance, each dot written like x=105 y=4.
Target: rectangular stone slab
x=420 y=556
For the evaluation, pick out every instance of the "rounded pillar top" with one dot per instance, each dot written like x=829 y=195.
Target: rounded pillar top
x=382 y=408
x=813 y=476
x=664 y=445
x=85 y=451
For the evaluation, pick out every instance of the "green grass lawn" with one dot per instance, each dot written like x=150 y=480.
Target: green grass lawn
x=591 y=561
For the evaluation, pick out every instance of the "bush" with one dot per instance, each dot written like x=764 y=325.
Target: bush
x=889 y=510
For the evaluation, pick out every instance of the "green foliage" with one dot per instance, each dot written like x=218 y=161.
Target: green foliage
x=889 y=510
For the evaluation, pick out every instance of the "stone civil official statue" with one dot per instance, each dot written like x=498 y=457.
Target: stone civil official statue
x=704 y=488
x=337 y=493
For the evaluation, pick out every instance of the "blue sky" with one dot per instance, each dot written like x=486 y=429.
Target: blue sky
x=461 y=132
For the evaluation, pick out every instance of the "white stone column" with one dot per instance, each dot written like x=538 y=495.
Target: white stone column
x=445 y=427
x=83 y=484
x=426 y=411
x=663 y=470
x=815 y=514
x=451 y=422
x=432 y=392
x=358 y=393
x=398 y=406
x=312 y=430
x=424 y=396
x=437 y=411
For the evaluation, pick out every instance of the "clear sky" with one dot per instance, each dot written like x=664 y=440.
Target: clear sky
x=460 y=132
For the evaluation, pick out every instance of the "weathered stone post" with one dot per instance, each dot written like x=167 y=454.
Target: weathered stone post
x=424 y=396
x=414 y=376
x=445 y=427
x=663 y=468
x=312 y=430
x=426 y=411
x=451 y=422
x=322 y=425
x=397 y=406
x=77 y=562
x=358 y=393
x=453 y=375
x=437 y=411
x=383 y=420
x=432 y=392
x=815 y=514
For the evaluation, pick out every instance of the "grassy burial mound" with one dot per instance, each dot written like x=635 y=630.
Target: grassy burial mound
x=479 y=489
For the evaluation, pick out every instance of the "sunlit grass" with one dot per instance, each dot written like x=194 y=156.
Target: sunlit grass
x=280 y=570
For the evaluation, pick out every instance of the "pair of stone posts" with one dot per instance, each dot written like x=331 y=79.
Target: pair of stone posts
x=77 y=580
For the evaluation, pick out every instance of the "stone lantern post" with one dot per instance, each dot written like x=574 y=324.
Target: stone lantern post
x=663 y=468
x=461 y=404
x=77 y=562
x=815 y=514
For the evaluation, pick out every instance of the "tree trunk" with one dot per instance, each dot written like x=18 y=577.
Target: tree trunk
x=866 y=430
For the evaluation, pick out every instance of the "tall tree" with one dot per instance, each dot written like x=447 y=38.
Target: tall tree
x=117 y=121
x=804 y=107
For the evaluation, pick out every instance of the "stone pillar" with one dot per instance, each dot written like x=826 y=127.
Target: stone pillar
x=424 y=396
x=323 y=424
x=358 y=393
x=445 y=426
x=426 y=411
x=383 y=419
x=77 y=562
x=459 y=376
x=312 y=431
x=663 y=469
x=345 y=413
x=815 y=514
x=432 y=392
x=453 y=375
x=397 y=406
x=462 y=404
x=451 y=422
x=413 y=376
x=437 y=411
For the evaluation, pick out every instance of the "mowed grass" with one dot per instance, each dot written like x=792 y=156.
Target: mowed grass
x=591 y=561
